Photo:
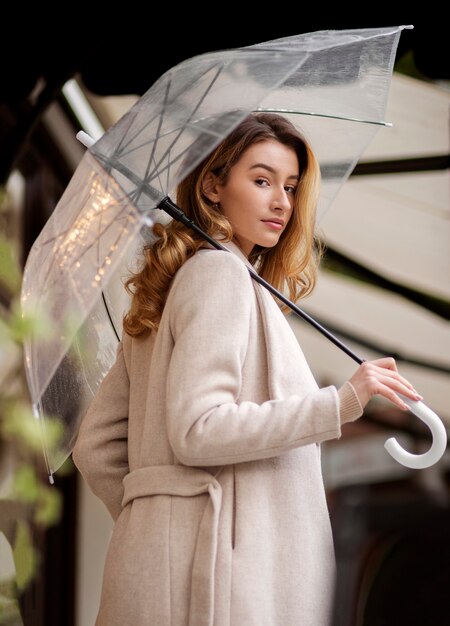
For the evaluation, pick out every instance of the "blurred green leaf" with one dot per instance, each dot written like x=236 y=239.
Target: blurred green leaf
x=9 y=606
x=19 y=422
x=25 y=556
x=10 y=274
x=49 y=506
x=4 y=332
x=26 y=484
x=22 y=326
x=20 y=430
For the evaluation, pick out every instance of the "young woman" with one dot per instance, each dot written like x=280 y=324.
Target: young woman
x=203 y=440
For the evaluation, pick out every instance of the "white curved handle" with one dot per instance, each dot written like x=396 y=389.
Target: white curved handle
x=438 y=447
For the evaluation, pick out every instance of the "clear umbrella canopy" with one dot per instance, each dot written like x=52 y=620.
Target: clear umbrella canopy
x=333 y=85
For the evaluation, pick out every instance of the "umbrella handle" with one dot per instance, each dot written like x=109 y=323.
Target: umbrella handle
x=438 y=447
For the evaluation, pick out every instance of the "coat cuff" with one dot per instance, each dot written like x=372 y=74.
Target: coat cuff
x=349 y=405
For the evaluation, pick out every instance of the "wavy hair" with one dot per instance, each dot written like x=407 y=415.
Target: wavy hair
x=290 y=266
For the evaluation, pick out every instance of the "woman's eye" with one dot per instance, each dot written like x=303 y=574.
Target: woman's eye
x=290 y=189
x=261 y=182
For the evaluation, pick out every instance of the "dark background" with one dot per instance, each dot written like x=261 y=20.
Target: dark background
x=125 y=52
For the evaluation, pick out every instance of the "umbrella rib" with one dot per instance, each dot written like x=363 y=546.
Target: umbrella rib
x=189 y=86
x=197 y=106
x=152 y=154
x=149 y=176
x=140 y=130
x=172 y=162
x=109 y=316
x=332 y=117
x=37 y=409
x=122 y=140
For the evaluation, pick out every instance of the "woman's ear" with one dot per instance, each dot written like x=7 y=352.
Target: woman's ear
x=210 y=187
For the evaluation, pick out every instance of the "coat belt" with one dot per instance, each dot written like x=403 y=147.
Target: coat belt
x=181 y=480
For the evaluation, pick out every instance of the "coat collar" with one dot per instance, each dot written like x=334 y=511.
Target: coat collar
x=235 y=249
x=231 y=247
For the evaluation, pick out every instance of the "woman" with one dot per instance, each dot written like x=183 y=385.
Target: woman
x=203 y=440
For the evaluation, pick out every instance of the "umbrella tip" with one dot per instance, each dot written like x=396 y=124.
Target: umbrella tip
x=85 y=139
x=51 y=480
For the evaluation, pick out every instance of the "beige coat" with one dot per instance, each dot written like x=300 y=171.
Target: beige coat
x=202 y=443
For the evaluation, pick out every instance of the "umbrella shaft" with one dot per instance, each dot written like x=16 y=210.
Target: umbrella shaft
x=307 y=317
x=176 y=213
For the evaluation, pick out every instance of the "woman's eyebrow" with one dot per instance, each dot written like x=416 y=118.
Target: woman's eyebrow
x=269 y=168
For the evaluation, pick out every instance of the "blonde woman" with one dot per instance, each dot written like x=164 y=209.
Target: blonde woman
x=204 y=438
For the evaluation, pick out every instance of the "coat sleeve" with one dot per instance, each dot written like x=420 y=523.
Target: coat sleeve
x=101 y=449
x=211 y=313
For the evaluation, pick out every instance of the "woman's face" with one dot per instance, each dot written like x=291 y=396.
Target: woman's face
x=258 y=197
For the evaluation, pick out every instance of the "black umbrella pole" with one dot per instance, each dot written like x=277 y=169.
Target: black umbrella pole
x=176 y=213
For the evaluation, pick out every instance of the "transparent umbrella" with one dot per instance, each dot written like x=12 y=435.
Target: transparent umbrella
x=333 y=85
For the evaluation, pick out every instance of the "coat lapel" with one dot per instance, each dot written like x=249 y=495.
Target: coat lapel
x=288 y=370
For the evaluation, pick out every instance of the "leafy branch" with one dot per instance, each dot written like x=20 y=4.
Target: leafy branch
x=27 y=501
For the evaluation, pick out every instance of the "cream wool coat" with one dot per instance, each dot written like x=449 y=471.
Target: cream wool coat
x=203 y=443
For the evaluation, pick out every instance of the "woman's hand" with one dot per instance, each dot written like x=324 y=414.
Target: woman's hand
x=380 y=377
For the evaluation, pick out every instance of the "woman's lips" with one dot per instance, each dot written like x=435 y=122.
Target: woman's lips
x=273 y=224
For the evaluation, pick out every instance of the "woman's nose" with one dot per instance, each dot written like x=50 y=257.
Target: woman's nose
x=282 y=201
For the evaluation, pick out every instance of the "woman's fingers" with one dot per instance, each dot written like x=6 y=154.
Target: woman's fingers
x=380 y=377
x=400 y=384
x=388 y=373
x=386 y=362
x=397 y=382
x=389 y=391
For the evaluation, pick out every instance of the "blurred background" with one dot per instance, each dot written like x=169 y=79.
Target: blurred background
x=384 y=287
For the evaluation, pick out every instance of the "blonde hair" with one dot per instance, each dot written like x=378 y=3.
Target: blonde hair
x=289 y=266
